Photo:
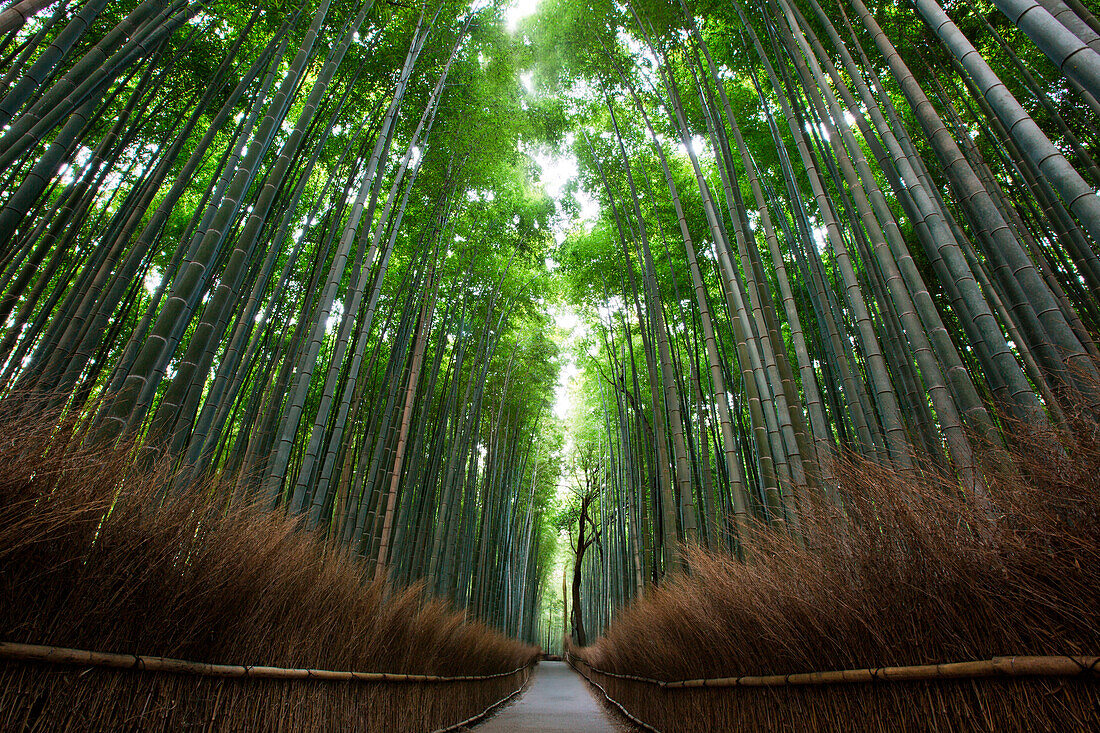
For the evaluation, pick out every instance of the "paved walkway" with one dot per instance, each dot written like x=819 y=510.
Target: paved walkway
x=557 y=700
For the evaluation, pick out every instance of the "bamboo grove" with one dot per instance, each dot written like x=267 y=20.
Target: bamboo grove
x=301 y=247
x=294 y=245
x=825 y=230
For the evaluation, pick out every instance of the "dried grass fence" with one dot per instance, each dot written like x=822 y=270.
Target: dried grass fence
x=1040 y=694
x=94 y=555
x=205 y=717
x=908 y=573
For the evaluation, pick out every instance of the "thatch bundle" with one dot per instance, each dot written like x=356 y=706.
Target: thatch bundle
x=95 y=556
x=910 y=573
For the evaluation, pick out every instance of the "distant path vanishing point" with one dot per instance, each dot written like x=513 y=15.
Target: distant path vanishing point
x=557 y=700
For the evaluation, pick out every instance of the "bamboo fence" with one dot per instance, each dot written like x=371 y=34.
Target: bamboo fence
x=622 y=709
x=1022 y=666
x=474 y=719
x=10 y=651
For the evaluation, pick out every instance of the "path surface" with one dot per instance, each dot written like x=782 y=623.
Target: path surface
x=556 y=700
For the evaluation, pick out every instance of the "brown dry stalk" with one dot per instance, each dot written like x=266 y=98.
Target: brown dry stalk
x=96 y=555
x=904 y=572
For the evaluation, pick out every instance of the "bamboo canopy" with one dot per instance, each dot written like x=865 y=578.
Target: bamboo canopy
x=302 y=348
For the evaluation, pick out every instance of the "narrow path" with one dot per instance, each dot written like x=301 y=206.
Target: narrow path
x=557 y=700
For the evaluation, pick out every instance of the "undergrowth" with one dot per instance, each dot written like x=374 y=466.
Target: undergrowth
x=96 y=556
x=908 y=573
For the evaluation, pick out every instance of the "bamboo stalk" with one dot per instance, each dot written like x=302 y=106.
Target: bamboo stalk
x=10 y=651
x=1022 y=666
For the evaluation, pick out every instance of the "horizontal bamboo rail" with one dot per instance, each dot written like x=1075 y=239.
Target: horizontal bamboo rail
x=473 y=719
x=1023 y=666
x=569 y=659
x=10 y=651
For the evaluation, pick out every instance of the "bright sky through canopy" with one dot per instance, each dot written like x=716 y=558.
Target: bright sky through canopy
x=518 y=11
x=557 y=170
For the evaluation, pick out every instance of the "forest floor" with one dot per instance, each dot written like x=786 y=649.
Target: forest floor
x=556 y=700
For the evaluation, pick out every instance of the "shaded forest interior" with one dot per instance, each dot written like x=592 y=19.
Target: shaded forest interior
x=700 y=339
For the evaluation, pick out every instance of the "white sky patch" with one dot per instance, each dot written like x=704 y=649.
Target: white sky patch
x=610 y=310
x=754 y=219
x=517 y=12
x=152 y=280
x=638 y=48
x=821 y=131
x=821 y=238
x=557 y=171
x=647 y=61
x=337 y=314
x=699 y=145
x=565 y=397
